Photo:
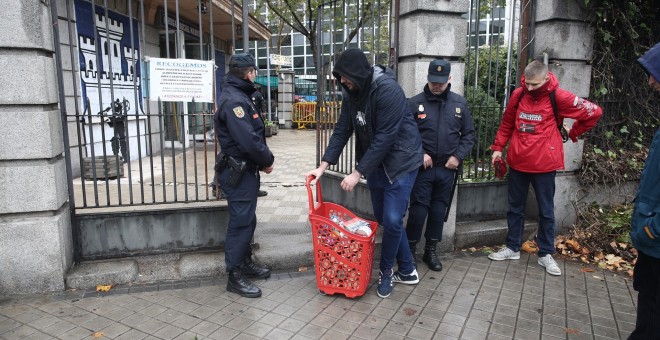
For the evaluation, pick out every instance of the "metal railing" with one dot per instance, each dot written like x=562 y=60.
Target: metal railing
x=124 y=150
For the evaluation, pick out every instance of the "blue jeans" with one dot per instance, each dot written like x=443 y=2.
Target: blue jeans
x=544 y=188
x=390 y=202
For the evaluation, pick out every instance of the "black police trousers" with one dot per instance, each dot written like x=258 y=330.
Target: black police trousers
x=430 y=197
x=242 y=204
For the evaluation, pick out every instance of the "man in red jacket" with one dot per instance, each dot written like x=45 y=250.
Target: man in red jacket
x=535 y=154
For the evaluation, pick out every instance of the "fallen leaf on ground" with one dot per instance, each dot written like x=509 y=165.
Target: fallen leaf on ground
x=103 y=288
x=303 y=269
x=97 y=334
x=472 y=249
x=571 y=331
x=573 y=244
x=529 y=247
x=409 y=311
x=586 y=270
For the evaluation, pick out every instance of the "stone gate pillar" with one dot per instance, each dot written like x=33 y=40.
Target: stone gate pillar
x=430 y=30
x=35 y=225
x=285 y=95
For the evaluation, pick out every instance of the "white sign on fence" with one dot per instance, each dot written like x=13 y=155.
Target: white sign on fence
x=282 y=60
x=181 y=80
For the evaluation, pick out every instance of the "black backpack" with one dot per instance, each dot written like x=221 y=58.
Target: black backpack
x=560 y=123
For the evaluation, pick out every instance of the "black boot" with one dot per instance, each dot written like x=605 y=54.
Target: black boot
x=413 y=250
x=252 y=270
x=430 y=257
x=242 y=286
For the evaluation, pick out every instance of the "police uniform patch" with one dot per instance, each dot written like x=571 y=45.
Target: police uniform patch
x=458 y=113
x=238 y=111
x=458 y=110
x=439 y=69
x=420 y=108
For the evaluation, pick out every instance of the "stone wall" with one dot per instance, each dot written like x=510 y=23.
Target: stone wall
x=35 y=225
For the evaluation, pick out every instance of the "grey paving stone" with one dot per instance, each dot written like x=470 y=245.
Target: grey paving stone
x=523 y=334
x=486 y=306
x=313 y=331
x=454 y=319
x=600 y=331
x=115 y=330
x=224 y=333
x=19 y=332
x=279 y=334
x=168 y=332
x=449 y=329
x=506 y=310
x=459 y=309
x=504 y=319
x=58 y=328
x=500 y=329
x=498 y=337
x=555 y=331
x=554 y=321
x=239 y=324
x=473 y=334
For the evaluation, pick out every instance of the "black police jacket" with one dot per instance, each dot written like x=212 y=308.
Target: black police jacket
x=445 y=124
x=385 y=130
x=240 y=129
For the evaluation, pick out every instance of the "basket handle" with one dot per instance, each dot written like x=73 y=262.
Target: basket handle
x=319 y=195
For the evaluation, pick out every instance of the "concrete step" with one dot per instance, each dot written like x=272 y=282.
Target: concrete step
x=487 y=233
x=280 y=246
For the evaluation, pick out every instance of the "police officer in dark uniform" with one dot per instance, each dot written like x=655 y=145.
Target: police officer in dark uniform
x=241 y=134
x=447 y=131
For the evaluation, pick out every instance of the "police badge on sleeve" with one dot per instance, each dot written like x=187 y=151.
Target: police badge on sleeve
x=238 y=111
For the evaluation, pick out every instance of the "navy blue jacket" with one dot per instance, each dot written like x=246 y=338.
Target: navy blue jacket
x=240 y=129
x=385 y=130
x=445 y=124
x=645 y=220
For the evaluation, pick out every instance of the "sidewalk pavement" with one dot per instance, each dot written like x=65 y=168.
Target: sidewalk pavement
x=472 y=298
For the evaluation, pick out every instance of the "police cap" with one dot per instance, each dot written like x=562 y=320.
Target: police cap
x=439 y=71
x=240 y=60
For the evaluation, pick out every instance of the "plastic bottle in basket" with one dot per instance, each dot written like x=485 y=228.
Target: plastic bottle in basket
x=358 y=226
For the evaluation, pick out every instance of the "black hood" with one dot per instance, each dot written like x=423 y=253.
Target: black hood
x=353 y=65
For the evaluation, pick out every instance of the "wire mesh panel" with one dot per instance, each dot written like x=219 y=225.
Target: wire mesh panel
x=491 y=62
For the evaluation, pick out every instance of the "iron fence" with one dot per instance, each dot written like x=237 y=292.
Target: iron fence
x=124 y=149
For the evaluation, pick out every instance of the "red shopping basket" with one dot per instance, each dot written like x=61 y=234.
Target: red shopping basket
x=342 y=259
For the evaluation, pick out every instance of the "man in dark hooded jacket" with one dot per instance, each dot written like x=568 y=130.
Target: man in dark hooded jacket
x=645 y=225
x=388 y=151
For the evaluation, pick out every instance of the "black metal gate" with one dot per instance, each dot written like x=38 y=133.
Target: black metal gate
x=491 y=63
x=125 y=148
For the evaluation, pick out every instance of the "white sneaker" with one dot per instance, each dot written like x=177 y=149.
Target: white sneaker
x=504 y=254
x=550 y=265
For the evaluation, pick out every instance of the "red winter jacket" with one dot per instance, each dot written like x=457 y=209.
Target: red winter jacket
x=529 y=123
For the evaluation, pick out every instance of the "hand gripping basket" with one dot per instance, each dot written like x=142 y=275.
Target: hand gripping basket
x=342 y=259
